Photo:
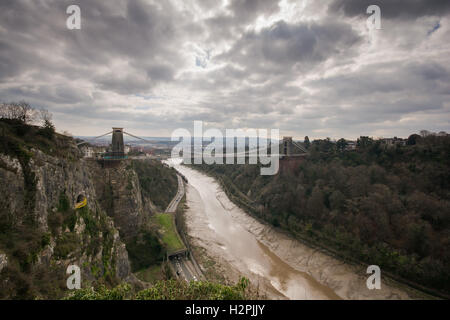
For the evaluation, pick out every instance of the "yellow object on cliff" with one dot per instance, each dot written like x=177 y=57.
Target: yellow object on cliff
x=81 y=204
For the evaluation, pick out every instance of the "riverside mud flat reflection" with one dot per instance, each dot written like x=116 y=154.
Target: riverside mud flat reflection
x=215 y=229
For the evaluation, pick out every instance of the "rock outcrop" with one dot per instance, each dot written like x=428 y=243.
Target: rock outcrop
x=121 y=197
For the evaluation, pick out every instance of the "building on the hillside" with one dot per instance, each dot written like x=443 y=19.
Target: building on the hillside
x=392 y=142
x=99 y=150
x=92 y=151
x=351 y=145
x=88 y=151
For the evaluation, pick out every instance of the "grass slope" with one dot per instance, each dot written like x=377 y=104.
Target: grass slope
x=167 y=230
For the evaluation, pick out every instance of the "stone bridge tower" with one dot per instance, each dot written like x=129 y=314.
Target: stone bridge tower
x=287 y=146
x=117 y=144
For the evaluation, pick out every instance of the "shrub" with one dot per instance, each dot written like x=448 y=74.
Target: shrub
x=66 y=244
x=169 y=290
x=45 y=241
x=144 y=250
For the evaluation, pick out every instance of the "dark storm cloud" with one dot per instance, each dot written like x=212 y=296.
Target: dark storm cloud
x=240 y=13
x=128 y=84
x=161 y=72
x=10 y=63
x=59 y=94
x=393 y=9
x=291 y=48
x=386 y=78
x=248 y=10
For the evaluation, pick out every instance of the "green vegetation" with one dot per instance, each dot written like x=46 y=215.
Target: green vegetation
x=95 y=236
x=23 y=245
x=388 y=206
x=64 y=217
x=144 y=250
x=48 y=129
x=158 y=182
x=67 y=243
x=167 y=230
x=169 y=290
x=91 y=221
x=151 y=274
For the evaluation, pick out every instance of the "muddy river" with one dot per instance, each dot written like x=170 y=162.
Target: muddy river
x=282 y=268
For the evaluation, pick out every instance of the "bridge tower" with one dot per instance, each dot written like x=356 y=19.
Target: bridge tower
x=117 y=145
x=287 y=146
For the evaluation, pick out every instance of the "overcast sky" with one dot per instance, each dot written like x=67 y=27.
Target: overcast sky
x=307 y=67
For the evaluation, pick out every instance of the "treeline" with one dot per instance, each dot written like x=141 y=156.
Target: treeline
x=388 y=206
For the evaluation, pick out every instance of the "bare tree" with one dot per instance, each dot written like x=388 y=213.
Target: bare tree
x=45 y=116
x=26 y=112
x=425 y=133
x=9 y=111
x=4 y=111
x=21 y=111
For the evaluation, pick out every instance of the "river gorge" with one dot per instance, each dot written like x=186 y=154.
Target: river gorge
x=281 y=267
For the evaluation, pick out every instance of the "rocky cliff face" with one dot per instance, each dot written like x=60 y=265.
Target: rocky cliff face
x=121 y=197
x=42 y=233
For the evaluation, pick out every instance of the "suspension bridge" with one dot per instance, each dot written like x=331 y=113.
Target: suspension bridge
x=287 y=147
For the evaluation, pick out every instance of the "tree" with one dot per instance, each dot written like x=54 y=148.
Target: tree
x=306 y=142
x=413 y=139
x=48 y=129
x=425 y=133
x=45 y=116
x=315 y=205
x=341 y=144
x=364 y=142
x=26 y=112
x=337 y=200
